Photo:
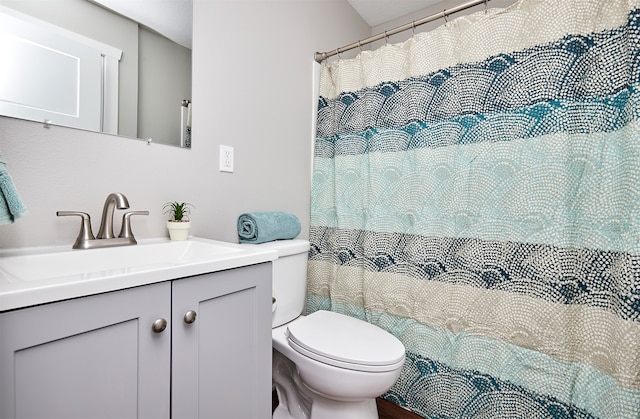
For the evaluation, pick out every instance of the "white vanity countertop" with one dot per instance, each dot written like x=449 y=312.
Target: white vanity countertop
x=31 y=276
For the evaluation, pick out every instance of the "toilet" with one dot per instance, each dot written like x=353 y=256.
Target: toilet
x=326 y=365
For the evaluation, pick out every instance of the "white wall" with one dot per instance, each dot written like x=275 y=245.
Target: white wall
x=252 y=71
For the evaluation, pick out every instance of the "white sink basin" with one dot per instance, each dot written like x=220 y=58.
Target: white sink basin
x=96 y=263
x=40 y=275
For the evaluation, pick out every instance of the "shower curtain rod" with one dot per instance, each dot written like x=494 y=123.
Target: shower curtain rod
x=321 y=56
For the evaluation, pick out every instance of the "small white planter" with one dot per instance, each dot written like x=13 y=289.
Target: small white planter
x=179 y=230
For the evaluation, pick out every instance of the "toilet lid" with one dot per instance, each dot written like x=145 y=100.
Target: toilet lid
x=345 y=342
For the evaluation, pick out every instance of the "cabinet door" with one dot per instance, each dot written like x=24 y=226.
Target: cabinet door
x=222 y=361
x=91 y=357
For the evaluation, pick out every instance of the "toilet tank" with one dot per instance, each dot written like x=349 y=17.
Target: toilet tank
x=289 y=279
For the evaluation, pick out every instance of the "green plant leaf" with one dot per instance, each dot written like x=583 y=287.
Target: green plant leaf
x=177 y=211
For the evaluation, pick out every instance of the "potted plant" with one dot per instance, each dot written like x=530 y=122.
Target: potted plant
x=178 y=224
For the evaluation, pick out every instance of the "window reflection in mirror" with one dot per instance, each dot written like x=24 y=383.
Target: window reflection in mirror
x=150 y=81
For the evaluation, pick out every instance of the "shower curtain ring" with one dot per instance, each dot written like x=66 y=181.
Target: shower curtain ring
x=485 y=6
x=444 y=15
x=360 y=46
x=386 y=38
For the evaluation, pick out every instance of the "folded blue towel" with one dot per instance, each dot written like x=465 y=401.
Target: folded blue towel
x=11 y=207
x=266 y=226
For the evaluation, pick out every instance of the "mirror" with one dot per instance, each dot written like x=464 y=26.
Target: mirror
x=124 y=75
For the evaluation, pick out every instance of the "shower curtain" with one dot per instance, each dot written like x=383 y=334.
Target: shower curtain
x=476 y=193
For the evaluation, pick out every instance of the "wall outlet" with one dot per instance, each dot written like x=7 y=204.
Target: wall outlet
x=226 y=158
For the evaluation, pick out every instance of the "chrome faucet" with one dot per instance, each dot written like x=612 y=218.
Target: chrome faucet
x=106 y=223
x=106 y=238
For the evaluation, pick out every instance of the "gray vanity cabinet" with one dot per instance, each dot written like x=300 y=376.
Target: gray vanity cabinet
x=99 y=357
x=90 y=357
x=222 y=360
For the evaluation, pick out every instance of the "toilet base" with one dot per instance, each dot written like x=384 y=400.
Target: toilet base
x=297 y=401
x=344 y=410
x=333 y=410
x=340 y=410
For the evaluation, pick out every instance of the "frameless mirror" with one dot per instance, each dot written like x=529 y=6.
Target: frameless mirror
x=120 y=67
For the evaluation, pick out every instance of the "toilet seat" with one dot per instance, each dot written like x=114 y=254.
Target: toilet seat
x=345 y=342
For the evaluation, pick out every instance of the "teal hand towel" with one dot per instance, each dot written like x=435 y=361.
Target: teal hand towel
x=11 y=207
x=266 y=226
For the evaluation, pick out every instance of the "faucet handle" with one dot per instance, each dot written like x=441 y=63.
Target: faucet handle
x=85 y=228
x=125 y=230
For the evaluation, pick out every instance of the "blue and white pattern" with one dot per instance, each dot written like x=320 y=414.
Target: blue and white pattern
x=476 y=192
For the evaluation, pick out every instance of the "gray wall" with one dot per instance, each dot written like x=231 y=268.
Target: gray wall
x=252 y=76
x=164 y=83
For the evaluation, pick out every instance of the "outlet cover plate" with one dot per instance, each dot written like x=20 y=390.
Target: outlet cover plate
x=226 y=158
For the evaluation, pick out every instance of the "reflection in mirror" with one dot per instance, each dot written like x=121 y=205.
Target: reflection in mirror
x=80 y=64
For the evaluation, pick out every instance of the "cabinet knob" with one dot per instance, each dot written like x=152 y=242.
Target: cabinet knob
x=159 y=325
x=190 y=317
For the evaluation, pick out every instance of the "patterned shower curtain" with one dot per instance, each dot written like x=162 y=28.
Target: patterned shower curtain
x=476 y=193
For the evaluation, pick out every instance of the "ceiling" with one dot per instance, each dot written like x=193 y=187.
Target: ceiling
x=172 y=18
x=376 y=12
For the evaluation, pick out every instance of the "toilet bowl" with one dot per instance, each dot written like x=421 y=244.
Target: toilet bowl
x=326 y=365
x=340 y=363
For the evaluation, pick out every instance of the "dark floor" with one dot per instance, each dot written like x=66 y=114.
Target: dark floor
x=386 y=410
